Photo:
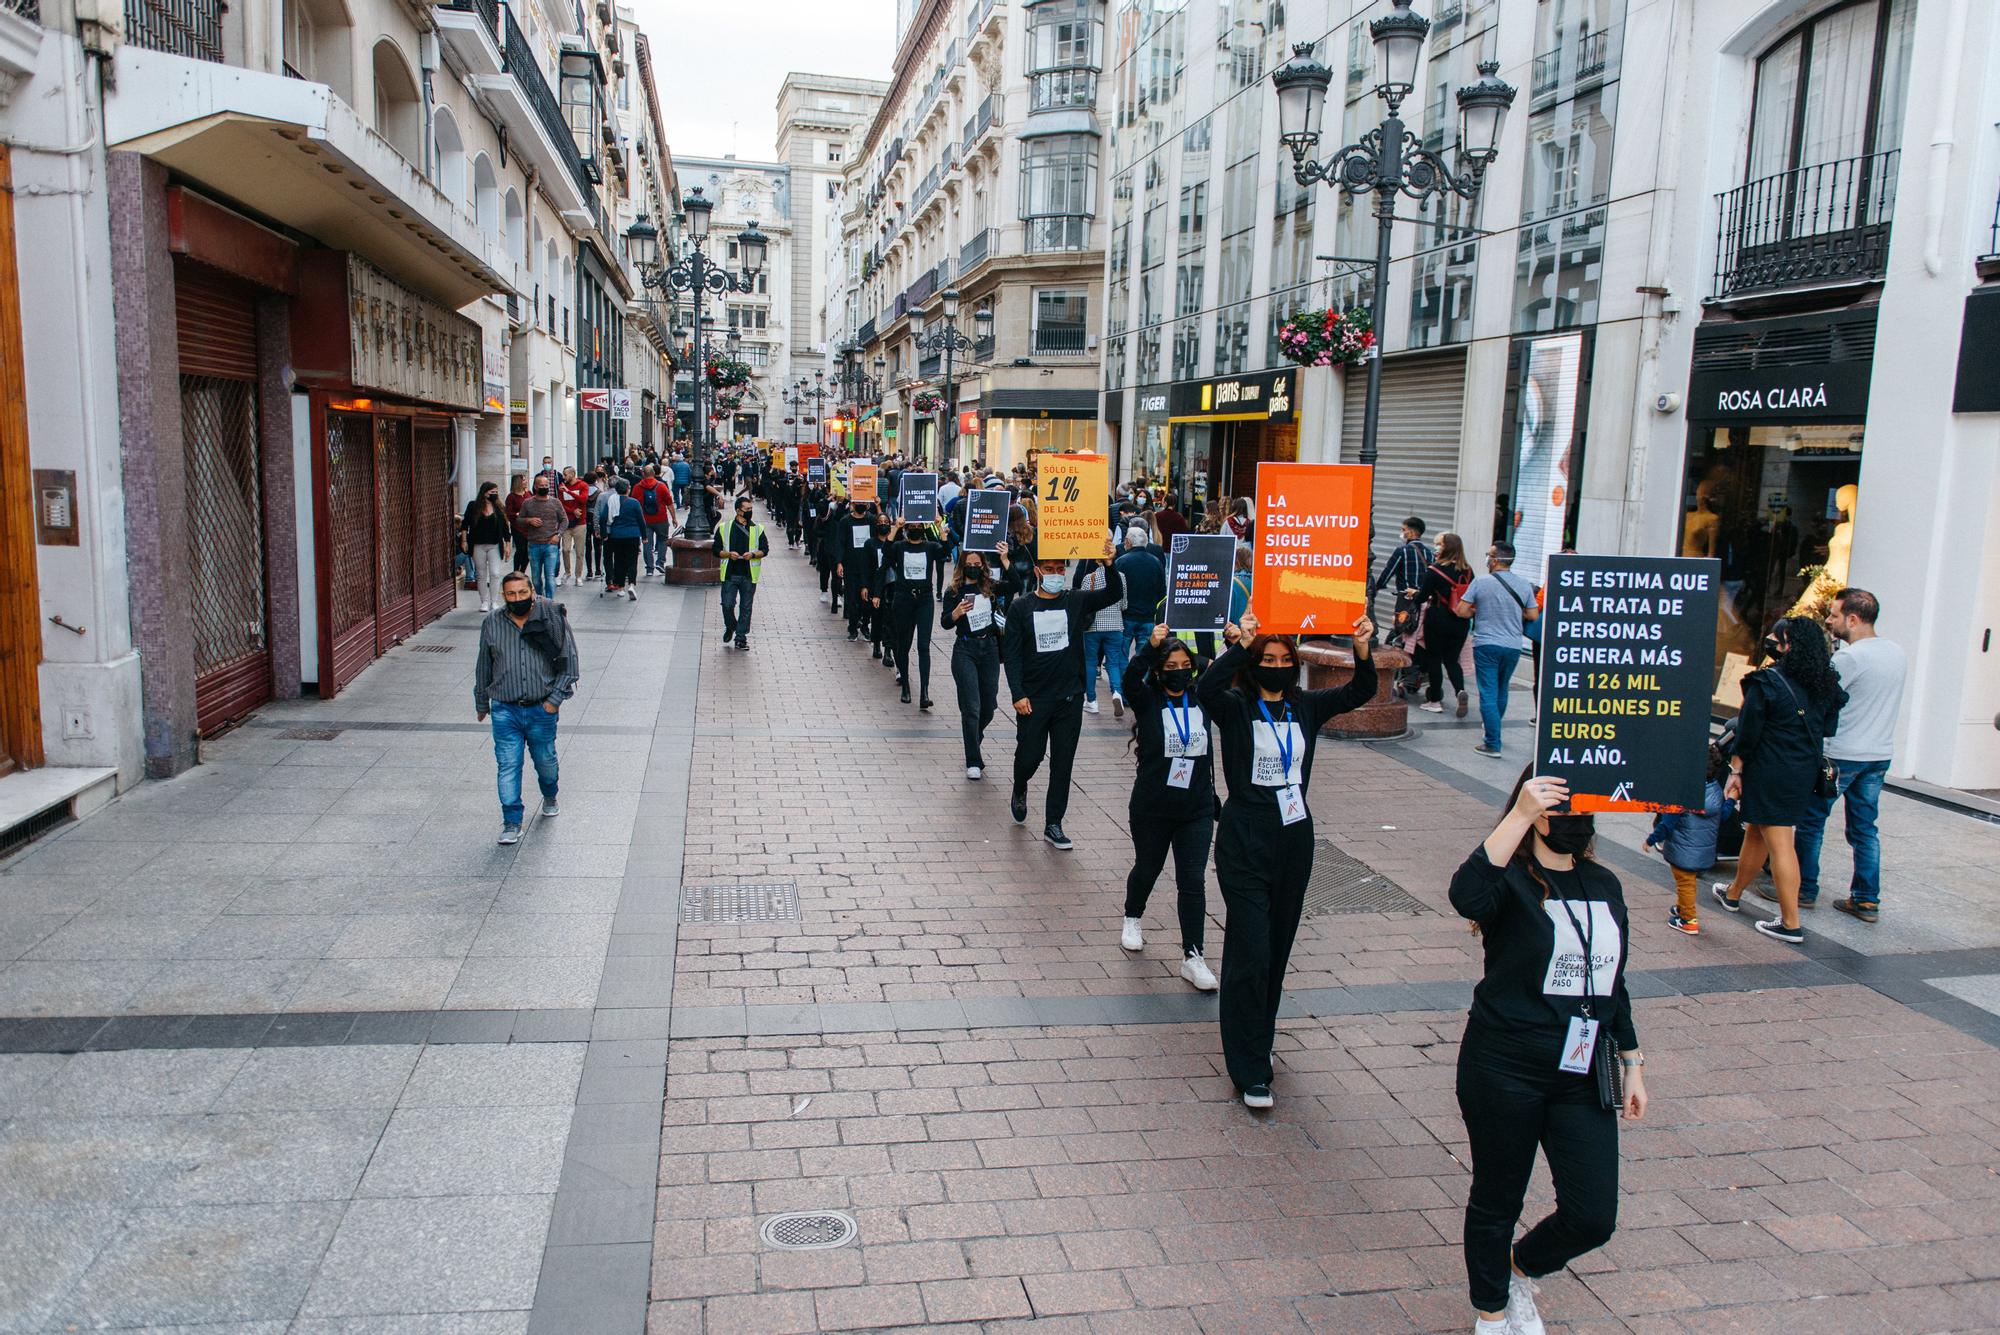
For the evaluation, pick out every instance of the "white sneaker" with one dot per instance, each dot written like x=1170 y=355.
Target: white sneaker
x=1090 y=707
x=1522 y=1318
x=1132 y=938
x=1117 y=705
x=1195 y=969
x=973 y=772
x=486 y=607
x=1431 y=707
x=632 y=594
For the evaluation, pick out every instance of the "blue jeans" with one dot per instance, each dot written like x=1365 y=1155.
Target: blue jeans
x=1136 y=635
x=544 y=563
x=1107 y=647
x=739 y=596
x=518 y=727
x=1493 y=665
x=654 y=547
x=1861 y=785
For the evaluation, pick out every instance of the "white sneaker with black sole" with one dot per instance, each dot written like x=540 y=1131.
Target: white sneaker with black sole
x=1133 y=937
x=974 y=772
x=1258 y=1096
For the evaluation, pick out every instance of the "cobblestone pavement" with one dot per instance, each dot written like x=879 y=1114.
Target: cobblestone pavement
x=288 y=1044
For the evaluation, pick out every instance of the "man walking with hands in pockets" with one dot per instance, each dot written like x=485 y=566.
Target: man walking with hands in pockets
x=527 y=667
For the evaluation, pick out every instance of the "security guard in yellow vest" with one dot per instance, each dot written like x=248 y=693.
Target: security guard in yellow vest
x=741 y=544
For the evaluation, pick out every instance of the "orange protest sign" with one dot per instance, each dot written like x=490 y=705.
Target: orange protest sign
x=1309 y=570
x=861 y=481
x=1074 y=510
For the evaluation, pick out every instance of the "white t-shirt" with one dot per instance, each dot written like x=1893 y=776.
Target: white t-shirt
x=1871 y=671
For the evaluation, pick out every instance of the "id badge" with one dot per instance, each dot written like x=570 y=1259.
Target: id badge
x=1180 y=774
x=1291 y=804
x=1580 y=1046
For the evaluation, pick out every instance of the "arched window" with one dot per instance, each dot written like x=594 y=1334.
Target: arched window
x=450 y=157
x=399 y=116
x=485 y=196
x=516 y=227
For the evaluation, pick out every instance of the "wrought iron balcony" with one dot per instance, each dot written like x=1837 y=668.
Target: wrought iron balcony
x=486 y=9
x=1060 y=341
x=190 y=28
x=1823 y=224
x=527 y=73
x=983 y=247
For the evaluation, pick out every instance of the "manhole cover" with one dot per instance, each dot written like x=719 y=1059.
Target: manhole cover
x=309 y=734
x=808 y=1230
x=777 y=901
x=1342 y=883
x=431 y=648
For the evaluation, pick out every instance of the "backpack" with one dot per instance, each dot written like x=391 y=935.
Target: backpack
x=1458 y=585
x=649 y=500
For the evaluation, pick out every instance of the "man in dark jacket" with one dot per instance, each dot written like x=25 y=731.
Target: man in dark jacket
x=527 y=667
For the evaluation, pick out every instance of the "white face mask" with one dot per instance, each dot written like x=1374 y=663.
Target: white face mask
x=1055 y=583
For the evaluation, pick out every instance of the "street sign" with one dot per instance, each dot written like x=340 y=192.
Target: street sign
x=593 y=400
x=621 y=404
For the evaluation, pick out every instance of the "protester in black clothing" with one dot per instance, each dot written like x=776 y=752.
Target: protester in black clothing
x=1790 y=707
x=1264 y=841
x=832 y=536
x=1555 y=932
x=972 y=608
x=1173 y=796
x=1444 y=629
x=812 y=515
x=908 y=604
x=1042 y=650
x=854 y=538
x=880 y=575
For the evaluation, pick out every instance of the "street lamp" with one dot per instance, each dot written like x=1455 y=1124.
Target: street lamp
x=696 y=273
x=1389 y=160
x=950 y=341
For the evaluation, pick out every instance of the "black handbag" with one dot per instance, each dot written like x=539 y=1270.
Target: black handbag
x=1826 y=783
x=1610 y=1072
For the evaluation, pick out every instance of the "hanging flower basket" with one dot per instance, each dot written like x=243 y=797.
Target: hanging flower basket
x=726 y=397
x=1327 y=338
x=727 y=372
x=925 y=403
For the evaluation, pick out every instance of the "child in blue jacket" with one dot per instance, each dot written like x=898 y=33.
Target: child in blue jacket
x=1687 y=839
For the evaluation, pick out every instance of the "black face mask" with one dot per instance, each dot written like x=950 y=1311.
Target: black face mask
x=541 y=491
x=520 y=607
x=881 y=530
x=975 y=572
x=1570 y=835
x=1774 y=647
x=1177 y=680
x=1274 y=678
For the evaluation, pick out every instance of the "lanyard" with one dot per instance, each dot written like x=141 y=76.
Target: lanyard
x=1283 y=739
x=1589 y=957
x=1183 y=719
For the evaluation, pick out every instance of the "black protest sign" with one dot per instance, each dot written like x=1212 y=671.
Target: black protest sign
x=816 y=472
x=1200 y=567
x=920 y=498
x=986 y=519
x=1628 y=646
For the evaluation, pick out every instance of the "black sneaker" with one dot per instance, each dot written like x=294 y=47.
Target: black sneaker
x=1258 y=1096
x=1775 y=929
x=744 y=645
x=925 y=705
x=853 y=635
x=1053 y=833
x=1860 y=909
x=875 y=652
x=906 y=693
x=1017 y=805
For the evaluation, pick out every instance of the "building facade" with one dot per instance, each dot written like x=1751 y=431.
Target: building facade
x=983 y=171
x=745 y=192
x=1671 y=334
x=818 y=117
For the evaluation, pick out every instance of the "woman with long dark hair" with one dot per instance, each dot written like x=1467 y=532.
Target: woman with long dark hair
x=1790 y=707
x=1264 y=841
x=1549 y=1018
x=487 y=534
x=1173 y=796
x=1444 y=629
x=973 y=609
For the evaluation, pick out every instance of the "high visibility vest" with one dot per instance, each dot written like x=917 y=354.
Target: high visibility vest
x=756 y=535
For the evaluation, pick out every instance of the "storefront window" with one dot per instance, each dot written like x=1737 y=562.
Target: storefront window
x=1059 y=191
x=1442 y=277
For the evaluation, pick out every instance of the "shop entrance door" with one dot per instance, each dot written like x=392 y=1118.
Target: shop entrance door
x=395 y=598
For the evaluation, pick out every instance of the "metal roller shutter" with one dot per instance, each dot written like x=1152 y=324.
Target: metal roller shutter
x=1417 y=445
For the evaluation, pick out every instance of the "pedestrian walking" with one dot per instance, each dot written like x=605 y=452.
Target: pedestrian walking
x=622 y=526
x=538 y=525
x=855 y=568
x=1872 y=671
x=1791 y=707
x=527 y=668
x=517 y=495
x=1404 y=570
x=1688 y=840
x=656 y=504
x=1145 y=574
x=1103 y=641
x=1550 y=1057
x=1264 y=839
x=1172 y=810
x=905 y=589
x=487 y=535
x=742 y=545
x=683 y=474
x=1042 y=652
x=972 y=610
x=1442 y=645
x=574 y=492
x=1500 y=604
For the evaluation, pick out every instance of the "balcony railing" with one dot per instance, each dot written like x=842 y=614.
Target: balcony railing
x=976 y=17
x=1060 y=341
x=178 y=27
x=1058 y=233
x=486 y=9
x=519 y=61
x=1827 y=223
x=867 y=334
x=983 y=247
x=31 y=10
x=982 y=349
x=931 y=366
x=919 y=292
x=1063 y=90
x=1592 y=53
x=988 y=116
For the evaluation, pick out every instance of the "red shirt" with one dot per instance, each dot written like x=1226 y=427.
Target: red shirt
x=662 y=508
x=576 y=500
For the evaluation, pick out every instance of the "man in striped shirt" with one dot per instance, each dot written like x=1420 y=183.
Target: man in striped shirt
x=527 y=667
x=1404 y=570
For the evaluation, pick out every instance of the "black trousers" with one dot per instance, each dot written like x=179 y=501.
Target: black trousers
x=1512 y=1102
x=1051 y=727
x=1154 y=835
x=975 y=670
x=910 y=618
x=860 y=616
x=621 y=562
x=1263 y=866
x=593 y=553
x=1442 y=647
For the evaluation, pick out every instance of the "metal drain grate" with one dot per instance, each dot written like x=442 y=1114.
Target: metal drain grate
x=309 y=734
x=809 y=1230
x=430 y=648
x=1342 y=883
x=776 y=901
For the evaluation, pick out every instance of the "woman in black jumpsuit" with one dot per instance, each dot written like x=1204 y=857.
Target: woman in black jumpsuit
x=910 y=555
x=1173 y=796
x=1264 y=841
x=973 y=606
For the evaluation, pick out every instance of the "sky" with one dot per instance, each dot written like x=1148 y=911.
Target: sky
x=718 y=65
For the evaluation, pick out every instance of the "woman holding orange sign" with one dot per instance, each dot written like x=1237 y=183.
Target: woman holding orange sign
x=1264 y=841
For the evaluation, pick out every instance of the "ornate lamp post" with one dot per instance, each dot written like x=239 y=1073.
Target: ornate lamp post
x=949 y=341
x=1389 y=160
x=696 y=273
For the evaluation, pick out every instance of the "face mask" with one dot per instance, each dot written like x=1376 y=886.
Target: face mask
x=541 y=491
x=520 y=606
x=1054 y=583
x=1176 y=680
x=881 y=530
x=975 y=572
x=1774 y=646
x=1570 y=835
x=1274 y=678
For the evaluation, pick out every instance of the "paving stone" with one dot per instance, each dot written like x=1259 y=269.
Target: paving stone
x=204 y=1264
x=468 y=1152
x=478 y=1075
x=453 y=1254
x=107 y=1084
x=318 y=1078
